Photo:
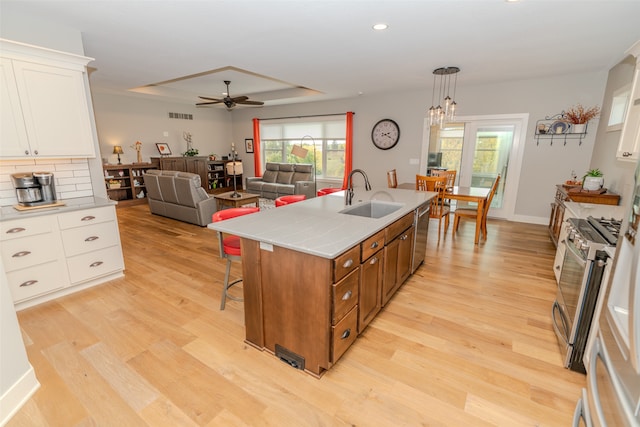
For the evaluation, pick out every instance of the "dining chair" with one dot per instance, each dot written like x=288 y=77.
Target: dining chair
x=473 y=213
x=439 y=210
x=392 y=179
x=229 y=247
x=450 y=174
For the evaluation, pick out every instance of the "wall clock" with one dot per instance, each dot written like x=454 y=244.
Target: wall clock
x=385 y=134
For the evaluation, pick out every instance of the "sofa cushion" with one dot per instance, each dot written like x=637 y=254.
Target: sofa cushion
x=270 y=176
x=284 y=177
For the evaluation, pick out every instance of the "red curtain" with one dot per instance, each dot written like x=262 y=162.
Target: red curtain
x=348 y=150
x=257 y=166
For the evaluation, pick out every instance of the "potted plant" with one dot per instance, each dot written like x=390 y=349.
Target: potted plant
x=593 y=180
x=579 y=116
x=190 y=152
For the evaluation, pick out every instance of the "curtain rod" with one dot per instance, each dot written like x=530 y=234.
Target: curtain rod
x=300 y=117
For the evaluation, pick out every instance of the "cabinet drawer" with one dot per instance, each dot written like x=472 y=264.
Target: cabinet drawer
x=346 y=263
x=26 y=227
x=344 y=334
x=86 y=217
x=81 y=240
x=32 y=250
x=345 y=296
x=41 y=279
x=372 y=245
x=398 y=227
x=95 y=264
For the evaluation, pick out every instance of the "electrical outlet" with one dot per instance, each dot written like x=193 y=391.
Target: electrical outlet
x=165 y=133
x=414 y=161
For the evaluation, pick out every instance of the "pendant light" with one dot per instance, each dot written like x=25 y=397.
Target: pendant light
x=440 y=115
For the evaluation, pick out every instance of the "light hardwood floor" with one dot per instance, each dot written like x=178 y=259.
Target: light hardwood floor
x=467 y=341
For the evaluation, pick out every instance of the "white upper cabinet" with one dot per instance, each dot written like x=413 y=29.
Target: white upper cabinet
x=629 y=146
x=44 y=101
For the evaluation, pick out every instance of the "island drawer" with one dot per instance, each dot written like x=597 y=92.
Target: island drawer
x=398 y=227
x=87 y=217
x=38 y=280
x=26 y=227
x=372 y=245
x=345 y=296
x=80 y=240
x=345 y=263
x=95 y=264
x=29 y=251
x=344 y=334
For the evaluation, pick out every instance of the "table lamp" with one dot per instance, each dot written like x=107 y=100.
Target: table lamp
x=118 y=150
x=234 y=168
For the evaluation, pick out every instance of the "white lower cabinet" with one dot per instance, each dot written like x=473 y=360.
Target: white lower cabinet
x=53 y=255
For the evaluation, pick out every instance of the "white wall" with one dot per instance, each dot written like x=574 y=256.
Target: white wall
x=544 y=165
x=618 y=174
x=123 y=120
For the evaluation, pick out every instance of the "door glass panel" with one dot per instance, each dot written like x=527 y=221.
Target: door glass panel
x=492 y=148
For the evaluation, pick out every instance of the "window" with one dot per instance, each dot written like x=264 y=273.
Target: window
x=619 y=105
x=324 y=140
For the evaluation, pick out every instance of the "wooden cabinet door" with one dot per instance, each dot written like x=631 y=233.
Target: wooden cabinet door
x=199 y=167
x=397 y=263
x=55 y=109
x=370 y=295
x=12 y=132
x=173 y=164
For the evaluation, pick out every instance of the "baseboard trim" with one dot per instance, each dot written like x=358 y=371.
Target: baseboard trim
x=17 y=395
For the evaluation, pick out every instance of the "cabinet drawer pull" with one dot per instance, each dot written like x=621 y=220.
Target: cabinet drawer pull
x=346 y=295
x=36 y=152
x=374 y=245
x=373 y=260
x=348 y=263
x=26 y=152
x=91 y=238
x=405 y=237
x=15 y=230
x=345 y=334
x=88 y=218
x=626 y=154
x=20 y=254
x=28 y=283
x=96 y=264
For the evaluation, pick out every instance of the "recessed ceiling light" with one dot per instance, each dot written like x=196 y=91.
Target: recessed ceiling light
x=380 y=26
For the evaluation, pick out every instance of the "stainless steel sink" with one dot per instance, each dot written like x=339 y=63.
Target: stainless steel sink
x=372 y=209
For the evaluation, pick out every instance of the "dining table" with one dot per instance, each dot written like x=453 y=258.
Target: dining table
x=467 y=194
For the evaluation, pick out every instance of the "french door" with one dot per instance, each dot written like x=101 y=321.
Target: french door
x=482 y=147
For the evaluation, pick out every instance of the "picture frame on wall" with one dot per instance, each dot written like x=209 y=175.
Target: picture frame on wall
x=163 y=148
x=248 y=145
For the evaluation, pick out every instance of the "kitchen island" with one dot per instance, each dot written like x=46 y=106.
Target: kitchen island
x=315 y=275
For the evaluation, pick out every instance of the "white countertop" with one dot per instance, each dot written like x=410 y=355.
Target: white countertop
x=316 y=227
x=10 y=213
x=583 y=210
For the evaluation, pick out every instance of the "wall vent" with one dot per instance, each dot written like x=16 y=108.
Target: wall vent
x=183 y=116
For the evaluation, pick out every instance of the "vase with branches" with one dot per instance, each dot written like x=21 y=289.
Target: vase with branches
x=579 y=116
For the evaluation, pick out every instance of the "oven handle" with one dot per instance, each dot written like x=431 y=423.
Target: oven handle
x=564 y=333
x=576 y=256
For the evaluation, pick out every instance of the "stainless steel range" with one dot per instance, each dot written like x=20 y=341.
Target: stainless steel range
x=583 y=267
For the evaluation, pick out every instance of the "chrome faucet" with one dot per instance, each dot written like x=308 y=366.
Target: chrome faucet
x=348 y=195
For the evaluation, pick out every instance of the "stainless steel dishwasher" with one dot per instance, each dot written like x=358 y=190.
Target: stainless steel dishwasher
x=421 y=223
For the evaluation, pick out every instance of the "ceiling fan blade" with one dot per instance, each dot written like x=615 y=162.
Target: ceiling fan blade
x=210 y=99
x=251 y=102
x=239 y=98
x=209 y=103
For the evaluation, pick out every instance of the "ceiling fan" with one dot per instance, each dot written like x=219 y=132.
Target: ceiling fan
x=228 y=100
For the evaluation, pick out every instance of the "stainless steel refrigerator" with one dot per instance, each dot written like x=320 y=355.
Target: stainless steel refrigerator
x=612 y=396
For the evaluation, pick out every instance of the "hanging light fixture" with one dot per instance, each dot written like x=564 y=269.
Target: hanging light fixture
x=440 y=115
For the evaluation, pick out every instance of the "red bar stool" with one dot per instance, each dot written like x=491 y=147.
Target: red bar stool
x=325 y=191
x=229 y=247
x=287 y=200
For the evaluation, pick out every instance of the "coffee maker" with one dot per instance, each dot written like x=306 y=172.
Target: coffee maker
x=34 y=188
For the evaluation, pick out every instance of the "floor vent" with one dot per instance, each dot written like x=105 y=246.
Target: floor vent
x=183 y=116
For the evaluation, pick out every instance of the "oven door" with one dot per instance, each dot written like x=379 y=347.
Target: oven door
x=570 y=288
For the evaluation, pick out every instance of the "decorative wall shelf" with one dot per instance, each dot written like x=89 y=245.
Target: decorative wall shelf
x=556 y=127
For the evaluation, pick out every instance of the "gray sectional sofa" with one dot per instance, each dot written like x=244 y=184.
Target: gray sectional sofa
x=283 y=179
x=179 y=195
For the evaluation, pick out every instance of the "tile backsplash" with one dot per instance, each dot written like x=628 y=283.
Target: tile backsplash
x=72 y=177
